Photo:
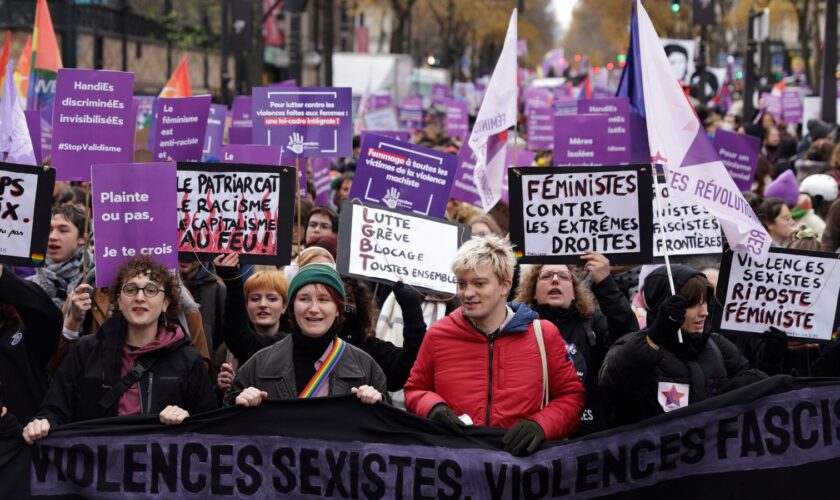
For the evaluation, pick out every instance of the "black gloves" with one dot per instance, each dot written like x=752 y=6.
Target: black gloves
x=444 y=414
x=773 y=346
x=668 y=320
x=524 y=438
x=410 y=301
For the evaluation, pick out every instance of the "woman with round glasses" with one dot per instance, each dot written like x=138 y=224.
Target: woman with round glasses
x=138 y=363
x=587 y=326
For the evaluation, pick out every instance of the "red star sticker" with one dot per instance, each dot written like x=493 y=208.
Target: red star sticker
x=672 y=396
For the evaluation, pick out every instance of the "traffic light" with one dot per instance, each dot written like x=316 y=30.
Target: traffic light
x=675 y=6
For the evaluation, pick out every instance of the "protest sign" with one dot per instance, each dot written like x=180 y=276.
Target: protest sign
x=617 y=136
x=381 y=118
x=215 y=132
x=775 y=439
x=379 y=101
x=739 y=153
x=524 y=158
x=537 y=98
x=410 y=118
x=540 y=129
x=685 y=228
x=558 y=213
x=457 y=119
x=260 y=154
x=134 y=214
x=306 y=121
x=386 y=246
x=792 y=106
x=321 y=180
x=25 y=202
x=772 y=104
x=93 y=121
x=144 y=106
x=236 y=208
x=180 y=123
x=404 y=176
x=440 y=90
x=582 y=140
x=240 y=112
x=463 y=188
x=400 y=135
x=794 y=291
x=565 y=105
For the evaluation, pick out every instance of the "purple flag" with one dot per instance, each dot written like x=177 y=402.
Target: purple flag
x=403 y=176
x=305 y=121
x=215 y=132
x=135 y=209
x=92 y=121
x=33 y=124
x=179 y=128
x=739 y=153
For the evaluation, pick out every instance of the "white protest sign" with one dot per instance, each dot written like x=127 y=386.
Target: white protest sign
x=794 y=291
x=685 y=229
x=386 y=245
x=559 y=213
x=25 y=202
x=381 y=119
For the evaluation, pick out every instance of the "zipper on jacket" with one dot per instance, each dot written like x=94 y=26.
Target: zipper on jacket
x=491 y=338
x=149 y=394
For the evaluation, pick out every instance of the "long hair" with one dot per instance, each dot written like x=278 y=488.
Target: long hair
x=365 y=305
x=584 y=301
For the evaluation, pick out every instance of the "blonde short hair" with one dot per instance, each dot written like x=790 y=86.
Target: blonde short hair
x=309 y=253
x=489 y=251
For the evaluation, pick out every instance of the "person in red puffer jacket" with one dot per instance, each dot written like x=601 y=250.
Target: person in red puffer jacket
x=482 y=364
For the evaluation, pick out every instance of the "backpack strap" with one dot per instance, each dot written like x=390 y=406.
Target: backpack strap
x=543 y=358
x=132 y=377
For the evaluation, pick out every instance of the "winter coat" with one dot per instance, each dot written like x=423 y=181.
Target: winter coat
x=178 y=377
x=272 y=370
x=210 y=295
x=496 y=379
x=640 y=381
x=26 y=348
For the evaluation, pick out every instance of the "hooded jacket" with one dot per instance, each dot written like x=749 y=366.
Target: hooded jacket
x=635 y=376
x=94 y=365
x=496 y=379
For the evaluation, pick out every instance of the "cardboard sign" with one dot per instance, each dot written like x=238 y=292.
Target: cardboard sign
x=236 y=208
x=558 y=213
x=617 y=137
x=686 y=229
x=739 y=153
x=305 y=121
x=795 y=291
x=134 y=213
x=215 y=133
x=180 y=123
x=386 y=245
x=403 y=176
x=93 y=121
x=25 y=202
x=541 y=129
x=792 y=106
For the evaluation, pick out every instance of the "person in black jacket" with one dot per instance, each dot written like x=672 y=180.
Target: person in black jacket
x=137 y=363
x=209 y=293
x=651 y=371
x=30 y=324
x=558 y=295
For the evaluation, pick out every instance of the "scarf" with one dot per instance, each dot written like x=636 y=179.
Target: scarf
x=56 y=278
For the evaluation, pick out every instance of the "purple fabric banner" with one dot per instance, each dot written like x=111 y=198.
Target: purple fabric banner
x=739 y=153
x=541 y=129
x=215 y=133
x=305 y=121
x=403 y=176
x=180 y=123
x=582 y=140
x=92 y=121
x=457 y=118
x=321 y=179
x=33 y=123
x=134 y=213
x=618 y=132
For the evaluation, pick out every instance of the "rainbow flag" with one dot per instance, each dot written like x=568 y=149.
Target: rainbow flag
x=323 y=372
x=4 y=57
x=44 y=66
x=22 y=69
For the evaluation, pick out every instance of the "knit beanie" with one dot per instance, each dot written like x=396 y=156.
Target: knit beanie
x=317 y=273
x=784 y=187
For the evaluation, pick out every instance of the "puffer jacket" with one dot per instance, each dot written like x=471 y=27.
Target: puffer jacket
x=634 y=374
x=496 y=379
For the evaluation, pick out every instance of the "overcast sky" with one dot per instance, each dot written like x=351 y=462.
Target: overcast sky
x=563 y=10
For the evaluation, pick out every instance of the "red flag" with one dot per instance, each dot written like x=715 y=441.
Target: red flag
x=179 y=83
x=4 y=57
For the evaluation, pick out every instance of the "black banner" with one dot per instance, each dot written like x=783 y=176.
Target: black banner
x=777 y=438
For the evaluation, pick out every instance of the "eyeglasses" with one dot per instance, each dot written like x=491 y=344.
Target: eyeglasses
x=326 y=226
x=561 y=275
x=150 y=290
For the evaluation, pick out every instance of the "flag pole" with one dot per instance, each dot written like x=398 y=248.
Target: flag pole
x=86 y=230
x=297 y=198
x=515 y=143
x=661 y=219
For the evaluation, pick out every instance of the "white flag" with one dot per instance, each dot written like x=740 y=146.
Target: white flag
x=678 y=142
x=497 y=114
x=15 y=143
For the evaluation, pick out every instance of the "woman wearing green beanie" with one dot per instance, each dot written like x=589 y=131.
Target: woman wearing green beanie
x=313 y=361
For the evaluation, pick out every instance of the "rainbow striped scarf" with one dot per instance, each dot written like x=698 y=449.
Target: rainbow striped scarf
x=324 y=371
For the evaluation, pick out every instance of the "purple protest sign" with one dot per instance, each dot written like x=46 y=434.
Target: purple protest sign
x=582 y=140
x=537 y=98
x=379 y=101
x=33 y=123
x=739 y=153
x=773 y=105
x=400 y=135
x=463 y=188
x=321 y=179
x=215 y=132
x=565 y=105
x=440 y=91
x=522 y=48
x=410 y=118
x=92 y=121
x=240 y=135
x=404 y=176
x=792 y=106
x=457 y=118
x=541 y=129
x=259 y=154
x=135 y=213
x=306 y=121
x=617 y=138
x=241 y=110
x=412 y=102
x=180 y=123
